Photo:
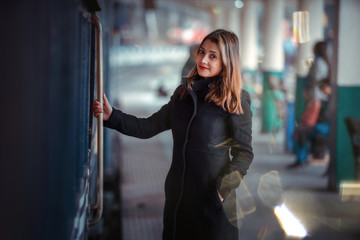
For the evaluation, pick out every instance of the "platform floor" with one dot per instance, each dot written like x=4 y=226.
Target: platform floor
x=144 y=165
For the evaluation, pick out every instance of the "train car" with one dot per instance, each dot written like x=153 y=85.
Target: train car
x=53 y=153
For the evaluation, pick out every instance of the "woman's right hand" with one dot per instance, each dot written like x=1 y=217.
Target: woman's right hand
x=106 y=109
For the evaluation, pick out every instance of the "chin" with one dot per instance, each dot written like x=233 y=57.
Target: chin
x=204 y=75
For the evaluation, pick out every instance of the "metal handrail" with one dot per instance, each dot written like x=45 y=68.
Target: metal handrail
x=100 y=133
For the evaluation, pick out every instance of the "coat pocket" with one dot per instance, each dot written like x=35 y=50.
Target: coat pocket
x=216 y=215
x=215 y=196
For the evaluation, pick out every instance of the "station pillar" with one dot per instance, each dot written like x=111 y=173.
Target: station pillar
x=345 y=90
x=248 y=40
x=248 y=43
x=272 y=65
x=235 y=22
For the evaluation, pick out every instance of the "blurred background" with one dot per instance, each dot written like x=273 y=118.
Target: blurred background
x=51 y=156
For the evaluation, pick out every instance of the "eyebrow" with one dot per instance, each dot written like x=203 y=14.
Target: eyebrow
x=210 y=51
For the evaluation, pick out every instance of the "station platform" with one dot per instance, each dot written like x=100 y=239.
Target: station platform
x=144 y=165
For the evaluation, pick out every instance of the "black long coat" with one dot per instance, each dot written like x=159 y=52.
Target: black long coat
x=203 y=136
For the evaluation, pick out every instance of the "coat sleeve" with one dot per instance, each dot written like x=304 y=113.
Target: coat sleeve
x=241 y=148
x=141 y=127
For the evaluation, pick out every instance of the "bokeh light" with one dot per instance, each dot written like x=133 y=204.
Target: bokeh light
x=246 y=201
x=239 y=203
x=216 y=10
x=350 y=190
x=301 y=33
x=264 y=233
x=269 y=190
x=289 y=223
x=271 y=194
x=239 y=4
x=226 y=142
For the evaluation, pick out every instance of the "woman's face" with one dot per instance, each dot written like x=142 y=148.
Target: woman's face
x=208 y=60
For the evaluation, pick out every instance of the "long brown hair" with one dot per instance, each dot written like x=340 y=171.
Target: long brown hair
x=320 y=49
x=226 y=90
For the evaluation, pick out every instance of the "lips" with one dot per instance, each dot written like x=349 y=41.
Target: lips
x=203 y=68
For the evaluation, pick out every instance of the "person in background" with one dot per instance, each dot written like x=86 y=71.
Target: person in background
x=311 y=134
x=319 y=70
x=211 y=123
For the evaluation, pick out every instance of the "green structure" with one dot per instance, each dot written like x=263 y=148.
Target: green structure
x=273 y=102
x=299 y=98
x=348 y=98
x=249 y=86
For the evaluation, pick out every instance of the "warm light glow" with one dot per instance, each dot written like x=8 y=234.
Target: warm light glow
x=187 y=35
x=290 y=224
x=301 y=33
x=349 y=190
x=216 y=10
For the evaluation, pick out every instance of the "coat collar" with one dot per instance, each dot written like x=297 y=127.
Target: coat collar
x=203 y=84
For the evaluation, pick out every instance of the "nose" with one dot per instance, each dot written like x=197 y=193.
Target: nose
x=204 y=59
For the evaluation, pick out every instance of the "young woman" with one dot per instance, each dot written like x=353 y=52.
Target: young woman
x=314 y=126
x=319 y=71
x=210 y=120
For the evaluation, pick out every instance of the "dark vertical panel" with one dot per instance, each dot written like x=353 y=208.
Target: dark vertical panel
x=24 y=119
x=61 y=104
x=69 y=95
x=92 y=121
x=107 y=31
x=44 y=66
x=332 y=180
x=84 y=96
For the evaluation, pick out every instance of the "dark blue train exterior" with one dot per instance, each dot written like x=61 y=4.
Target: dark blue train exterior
x=48 y=166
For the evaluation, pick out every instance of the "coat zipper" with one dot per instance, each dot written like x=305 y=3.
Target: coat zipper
x=193 y=96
